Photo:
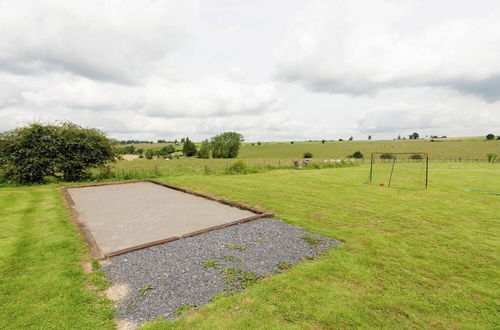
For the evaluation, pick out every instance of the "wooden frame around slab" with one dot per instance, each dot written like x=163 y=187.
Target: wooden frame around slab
x=96 y=252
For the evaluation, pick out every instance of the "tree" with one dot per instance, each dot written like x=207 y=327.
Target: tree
x=414 y=135
x=351 y=138
x=323 y=141
x=490 y=136
x=292 y=142
x=399 y=137
x=188 y=149
x=356 y=154
x=168 y=149
x=308 y=155
x=205 y=148
x=369 y=137
x=30 y=153
x=226 y=145
x=149 y=154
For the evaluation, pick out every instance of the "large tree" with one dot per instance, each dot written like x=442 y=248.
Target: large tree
x=226 y=145
x=30 y=153
x=189 y=148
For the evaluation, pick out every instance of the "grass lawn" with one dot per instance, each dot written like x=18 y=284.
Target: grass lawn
x=42 y=284
x=411 y=259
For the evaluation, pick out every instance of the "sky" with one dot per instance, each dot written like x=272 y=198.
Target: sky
x=274 y=70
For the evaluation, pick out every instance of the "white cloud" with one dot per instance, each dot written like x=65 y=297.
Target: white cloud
x=361 y=47
x=280 y=70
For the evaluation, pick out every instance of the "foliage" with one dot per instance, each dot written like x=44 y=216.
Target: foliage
x=183 y=309
x=414 y=136
x=323 y=141
x=211 y=263
x=168 y=149
x=491 y=157
x=386 y=156
x=205 y=149
x=356 y=154
x=416 y=157
x=490 y=136
x=30 y=153
x=351 y=138
x=189 y=148
x=238 y=168
x=226 y=145
x=307 y=154
x=149 y=154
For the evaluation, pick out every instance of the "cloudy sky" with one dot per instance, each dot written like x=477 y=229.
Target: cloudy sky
x=272 y=70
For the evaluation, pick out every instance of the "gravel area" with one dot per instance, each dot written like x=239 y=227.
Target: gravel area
x=156 y=281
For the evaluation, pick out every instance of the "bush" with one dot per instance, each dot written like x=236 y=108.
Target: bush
x=416 y=157
x=490 y=136
x=491 y=157
x=386 y=156
x=226 y=145
x=357 y=154
x=204 y=151
x=149 y=154
x=238 y=168
x=28 y=154
x=189 y=149
x=308 y=155
x=323 y=141
x=292 y=142
x=168 y=149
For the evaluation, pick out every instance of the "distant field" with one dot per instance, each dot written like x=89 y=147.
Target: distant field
x=440 y=149
x=443 y=149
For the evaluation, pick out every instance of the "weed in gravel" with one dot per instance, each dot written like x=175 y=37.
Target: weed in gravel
x=228 y=258
x=260 y=240
x=239 y=260
x=311 y=240
x=212 y=263
x=144 y=289
x=310 y=257
x=283 y=265
x=236 y=247
x=238 y=278
x=183 y=309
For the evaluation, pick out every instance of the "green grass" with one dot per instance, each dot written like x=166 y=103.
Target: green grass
x=427 y=259
x=42 y=284
x=443 y=149
x=412 y=258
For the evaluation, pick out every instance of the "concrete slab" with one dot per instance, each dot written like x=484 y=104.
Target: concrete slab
x=123 y=217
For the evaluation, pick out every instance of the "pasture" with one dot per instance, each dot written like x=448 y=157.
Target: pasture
x=411 y=258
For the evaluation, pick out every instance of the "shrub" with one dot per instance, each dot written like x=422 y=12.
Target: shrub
x=238 y=168
x=491 y=157
x=292 y=142
x=416 y=157
x=490 y=136
x=168 y=149
x=386 y=156
x=189 y=149
x=323 y=141
x=308 y=155
x=149 y=154
x=226 y=145
x=205 y=148
x=356 y=154
x=28 y=154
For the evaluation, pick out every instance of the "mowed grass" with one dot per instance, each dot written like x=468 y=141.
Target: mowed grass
x=426 y=259
x=411 y=258
x=42 y=284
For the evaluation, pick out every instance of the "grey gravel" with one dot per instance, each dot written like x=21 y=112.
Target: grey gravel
x=176 y=275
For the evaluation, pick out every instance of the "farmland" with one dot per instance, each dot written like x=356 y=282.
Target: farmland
x=411 y=258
